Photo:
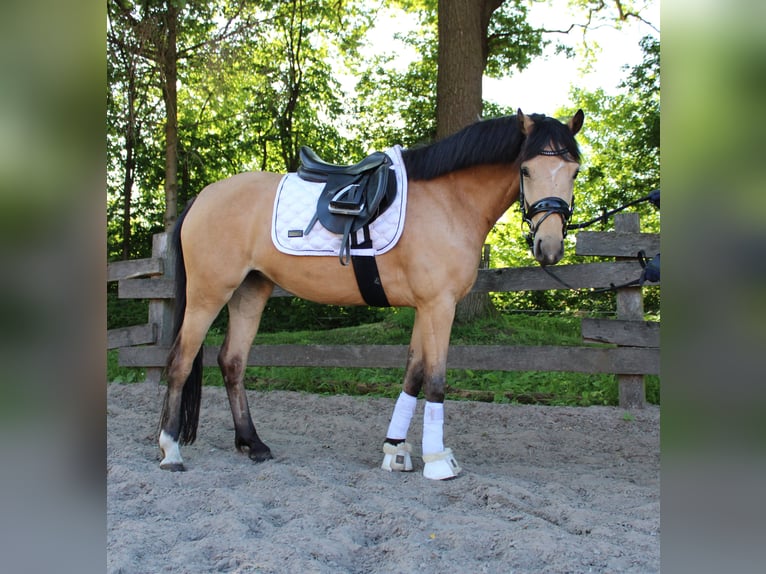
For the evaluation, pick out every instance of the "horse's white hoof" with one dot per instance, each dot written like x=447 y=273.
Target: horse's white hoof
x=441 y=465
x=172 y=460
x=397 y=457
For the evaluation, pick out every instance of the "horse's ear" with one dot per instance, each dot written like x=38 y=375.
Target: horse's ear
x=525 y=122
x=575 y=122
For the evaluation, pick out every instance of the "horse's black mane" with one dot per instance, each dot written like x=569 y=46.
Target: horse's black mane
x=491 y=141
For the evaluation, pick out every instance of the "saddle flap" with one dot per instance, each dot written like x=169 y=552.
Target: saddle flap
x=358 y=198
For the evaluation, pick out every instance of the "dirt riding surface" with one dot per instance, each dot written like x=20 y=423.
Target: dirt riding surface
x=543 y=489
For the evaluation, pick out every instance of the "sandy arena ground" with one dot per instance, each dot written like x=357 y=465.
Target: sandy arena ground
x=543 y=490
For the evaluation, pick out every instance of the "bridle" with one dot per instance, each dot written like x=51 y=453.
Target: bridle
x=546 y=205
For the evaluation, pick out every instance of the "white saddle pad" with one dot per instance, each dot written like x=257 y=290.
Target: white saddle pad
x=295 y=205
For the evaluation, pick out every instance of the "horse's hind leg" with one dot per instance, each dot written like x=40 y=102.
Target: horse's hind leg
x=245 y=310
x=180 y=411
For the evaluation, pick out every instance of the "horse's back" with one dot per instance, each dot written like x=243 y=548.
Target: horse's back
x=249 y=191
x=231 y=205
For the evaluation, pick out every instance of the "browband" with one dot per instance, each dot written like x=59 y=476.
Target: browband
x=560 y=151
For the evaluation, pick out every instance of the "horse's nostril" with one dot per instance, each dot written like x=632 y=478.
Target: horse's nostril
x=548 y=253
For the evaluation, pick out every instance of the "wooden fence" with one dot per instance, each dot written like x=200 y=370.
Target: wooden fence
x=634 y=350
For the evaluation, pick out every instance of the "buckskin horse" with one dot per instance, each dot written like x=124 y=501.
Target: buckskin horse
x=457 y=188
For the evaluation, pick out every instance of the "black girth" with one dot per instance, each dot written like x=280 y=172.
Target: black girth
x=353 y=197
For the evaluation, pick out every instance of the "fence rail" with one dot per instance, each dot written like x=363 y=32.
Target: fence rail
x=626 y=360
x=636 y=342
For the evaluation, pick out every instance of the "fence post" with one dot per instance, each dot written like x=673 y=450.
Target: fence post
x=161 y=310
x=630 y=307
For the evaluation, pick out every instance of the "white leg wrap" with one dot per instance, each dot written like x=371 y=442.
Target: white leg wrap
x=397 y=457
x=400 y=420
x=433 y=428
x=172 y=453
x=441 y=465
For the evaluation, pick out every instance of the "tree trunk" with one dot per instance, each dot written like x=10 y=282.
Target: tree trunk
x=462 y=56
x=287 y=136
x=130 y=165
x=460 y=65
x=476 y=305
x=168 y=66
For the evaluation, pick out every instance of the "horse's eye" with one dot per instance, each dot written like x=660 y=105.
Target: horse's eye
x=525 y=171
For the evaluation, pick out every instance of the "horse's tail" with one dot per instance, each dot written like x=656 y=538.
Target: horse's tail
x=192 y=390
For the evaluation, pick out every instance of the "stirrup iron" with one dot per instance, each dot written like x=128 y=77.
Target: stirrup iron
x=344 y=202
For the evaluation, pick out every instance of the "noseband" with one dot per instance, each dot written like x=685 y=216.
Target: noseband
x=546 y=205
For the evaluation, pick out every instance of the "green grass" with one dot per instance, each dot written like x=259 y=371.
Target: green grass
x=552 y=388
x=117 y=374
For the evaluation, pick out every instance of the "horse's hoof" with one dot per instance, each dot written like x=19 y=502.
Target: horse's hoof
x=260 y=456
x=440 y=465
x=171 y=460
x=397 y=457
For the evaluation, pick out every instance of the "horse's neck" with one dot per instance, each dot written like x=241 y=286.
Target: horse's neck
x=486 y=192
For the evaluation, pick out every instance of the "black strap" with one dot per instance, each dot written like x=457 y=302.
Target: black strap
x=366 y=272
x=653 y=197
x=650 y=272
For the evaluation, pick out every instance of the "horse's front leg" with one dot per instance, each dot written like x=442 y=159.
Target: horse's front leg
x=426 y=369
x=396 y=449
x=436 y=325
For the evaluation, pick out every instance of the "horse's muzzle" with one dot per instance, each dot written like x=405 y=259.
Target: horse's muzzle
x=548 y=251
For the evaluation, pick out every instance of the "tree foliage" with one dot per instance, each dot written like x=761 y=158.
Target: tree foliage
x=622 y=140
x=400 y=105
x=254 y=83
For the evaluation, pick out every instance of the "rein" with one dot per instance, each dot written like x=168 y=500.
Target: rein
x=653 y=197
x=650 y=265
